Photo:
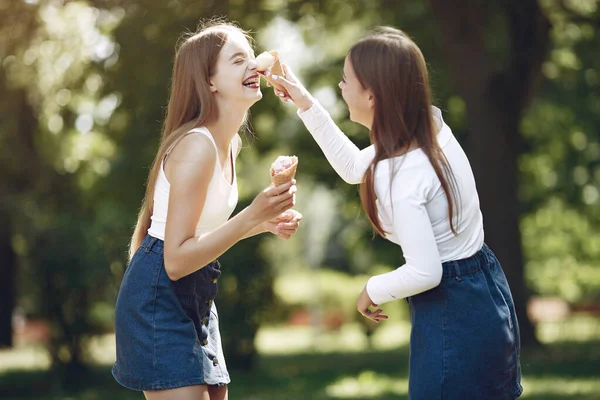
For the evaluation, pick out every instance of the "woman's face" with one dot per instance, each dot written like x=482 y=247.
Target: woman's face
x=235 y=80
x=359 y=100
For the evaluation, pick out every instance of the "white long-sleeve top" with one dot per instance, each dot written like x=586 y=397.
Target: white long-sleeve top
x=415 y=210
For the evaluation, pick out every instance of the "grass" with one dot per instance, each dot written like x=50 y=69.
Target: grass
x=297 y=364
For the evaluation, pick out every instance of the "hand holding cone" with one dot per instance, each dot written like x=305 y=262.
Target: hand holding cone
x=269 y=61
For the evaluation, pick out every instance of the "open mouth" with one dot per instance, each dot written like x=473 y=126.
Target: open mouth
x=252 y=82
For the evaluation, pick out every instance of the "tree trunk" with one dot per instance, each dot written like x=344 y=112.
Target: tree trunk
x=7 y=283
x=494 y=156
x=496 y=94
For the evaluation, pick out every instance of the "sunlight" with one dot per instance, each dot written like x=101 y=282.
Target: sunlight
x=24 y=358
x=367 y=384
x=557 y=386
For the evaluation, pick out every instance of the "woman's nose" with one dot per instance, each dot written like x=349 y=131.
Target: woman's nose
x=252 y=64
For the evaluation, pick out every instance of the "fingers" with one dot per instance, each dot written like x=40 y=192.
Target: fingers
x=265 y=74
x=280 y=80
x=292 y=215
x=279 y=83
x=288 y=226
x=282 y=95
x=286 y=230
x=375 y=316
x=275 y=81
x=282 y=197
x=277 y=190
x=286 y=217
x=288 y=223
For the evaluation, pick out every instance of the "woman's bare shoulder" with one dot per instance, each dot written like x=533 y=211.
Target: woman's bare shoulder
x=195 y=154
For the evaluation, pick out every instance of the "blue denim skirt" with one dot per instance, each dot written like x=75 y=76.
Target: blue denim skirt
x=464 y=342
x=167 y=332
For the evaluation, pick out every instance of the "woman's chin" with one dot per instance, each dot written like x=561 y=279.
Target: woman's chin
x=258 y=96
x=253 y=97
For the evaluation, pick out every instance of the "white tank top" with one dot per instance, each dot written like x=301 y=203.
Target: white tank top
x=221 y=197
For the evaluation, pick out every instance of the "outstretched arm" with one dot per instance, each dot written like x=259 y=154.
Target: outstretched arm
x=349 y=161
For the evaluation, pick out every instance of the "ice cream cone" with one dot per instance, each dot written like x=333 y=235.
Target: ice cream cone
x=286 y=175
x=276 y=68
x=269 y=60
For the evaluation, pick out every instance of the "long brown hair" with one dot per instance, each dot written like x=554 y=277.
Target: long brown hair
x=191 y=103
x=389 y=64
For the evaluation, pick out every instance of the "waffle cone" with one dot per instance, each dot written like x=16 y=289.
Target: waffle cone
x=276 y=68
x=285 y=175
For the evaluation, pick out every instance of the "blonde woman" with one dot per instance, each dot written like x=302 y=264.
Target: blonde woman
x=166 y=323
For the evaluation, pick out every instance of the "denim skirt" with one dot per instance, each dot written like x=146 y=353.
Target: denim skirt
x=167 y=332
x=464 y=342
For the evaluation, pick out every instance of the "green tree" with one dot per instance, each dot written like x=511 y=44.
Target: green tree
x=17 y=21
x=83 y=97
x=51 y=156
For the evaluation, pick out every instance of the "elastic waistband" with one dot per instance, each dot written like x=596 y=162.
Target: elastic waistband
x=467 y=266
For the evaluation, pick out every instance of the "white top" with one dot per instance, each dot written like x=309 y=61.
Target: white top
x=221 y=197
x=415 y=211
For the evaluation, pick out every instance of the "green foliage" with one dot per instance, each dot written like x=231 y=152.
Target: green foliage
x=560 y=173
x=86 y=85
x=562 y=248
x=329 y=292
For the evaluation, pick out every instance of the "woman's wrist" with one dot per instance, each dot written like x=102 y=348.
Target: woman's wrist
x=306 y=103
x=250 y=222
x=263 y=227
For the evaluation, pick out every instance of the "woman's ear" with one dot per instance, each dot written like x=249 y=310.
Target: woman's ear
x=371 y=100
x=213 y=88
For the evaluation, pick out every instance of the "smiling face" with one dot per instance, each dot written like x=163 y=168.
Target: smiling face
x=235 y=81
x=359 y=100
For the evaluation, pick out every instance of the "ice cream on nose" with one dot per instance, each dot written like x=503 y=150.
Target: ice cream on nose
x=269 y=60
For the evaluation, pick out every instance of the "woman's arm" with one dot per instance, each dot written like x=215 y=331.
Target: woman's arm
x=349 y=161
x=423 y=268
x=190 y=169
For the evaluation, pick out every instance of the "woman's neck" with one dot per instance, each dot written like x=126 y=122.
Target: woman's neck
x=225 y=127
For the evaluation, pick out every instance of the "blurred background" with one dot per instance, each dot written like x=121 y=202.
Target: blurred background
x=83 y=89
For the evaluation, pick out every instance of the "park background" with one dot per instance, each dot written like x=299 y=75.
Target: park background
x=83 y=86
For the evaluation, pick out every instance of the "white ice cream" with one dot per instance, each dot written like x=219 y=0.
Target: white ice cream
x=281 y=164
x=264 y=61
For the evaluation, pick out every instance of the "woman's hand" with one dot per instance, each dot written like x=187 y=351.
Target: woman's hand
x=294 y=92
x=273 y=201
x=364 y=302
x=285 y=224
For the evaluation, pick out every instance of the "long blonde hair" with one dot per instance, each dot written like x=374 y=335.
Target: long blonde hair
x=191 y=103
